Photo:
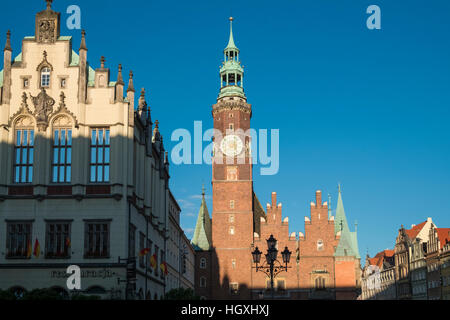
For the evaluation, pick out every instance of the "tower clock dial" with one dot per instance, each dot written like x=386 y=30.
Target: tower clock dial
x=231 y=145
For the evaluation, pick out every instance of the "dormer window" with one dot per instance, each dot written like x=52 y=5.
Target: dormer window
x=45 y=77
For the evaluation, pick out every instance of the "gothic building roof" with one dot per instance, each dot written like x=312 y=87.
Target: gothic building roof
x=444 y=236
x=348 y=242
x=202 y=239
x=382 y=259
x=414 y=231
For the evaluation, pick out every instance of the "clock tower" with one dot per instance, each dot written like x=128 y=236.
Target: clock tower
x=232 y=183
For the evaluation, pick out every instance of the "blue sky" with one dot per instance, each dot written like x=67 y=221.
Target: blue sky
x=366 y=108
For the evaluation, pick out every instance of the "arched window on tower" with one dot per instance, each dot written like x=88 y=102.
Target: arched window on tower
x=203 y=263
x=45 y=77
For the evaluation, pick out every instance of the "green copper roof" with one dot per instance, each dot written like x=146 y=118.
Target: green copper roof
x=74 y=59
x=18 y=58
x=91 y=76
x=348 y=243
x=202 y=239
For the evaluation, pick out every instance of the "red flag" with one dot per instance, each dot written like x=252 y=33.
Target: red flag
x=37 y=249
x=144 y=252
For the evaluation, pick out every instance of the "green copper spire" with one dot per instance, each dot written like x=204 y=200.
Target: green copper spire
x=202 y=239
x=231 y=44
x=231 y=71
x=348 y=243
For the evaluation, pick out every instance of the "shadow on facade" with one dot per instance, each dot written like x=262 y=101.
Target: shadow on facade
x=59 y=176
x=222 y=288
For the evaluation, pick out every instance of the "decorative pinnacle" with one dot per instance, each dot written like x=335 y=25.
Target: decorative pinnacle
x=119 y=76
x=102 y=62
x=203 y=190
x=49 y=4
x=8 y=41
x=156 y=124
x=130 y=83
x=83 y=40
x=143 y=93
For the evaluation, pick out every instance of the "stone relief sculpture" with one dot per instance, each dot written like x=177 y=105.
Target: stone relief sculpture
x=47 y=31
x=43 y=107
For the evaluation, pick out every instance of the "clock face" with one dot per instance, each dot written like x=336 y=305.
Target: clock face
x=231 y=145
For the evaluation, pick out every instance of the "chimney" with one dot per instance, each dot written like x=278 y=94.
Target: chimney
x=7 y=58
x=83 y=77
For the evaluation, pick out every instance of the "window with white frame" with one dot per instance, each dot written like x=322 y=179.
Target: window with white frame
x=45 y=77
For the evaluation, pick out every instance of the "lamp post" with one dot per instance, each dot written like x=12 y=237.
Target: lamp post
x=272 y=267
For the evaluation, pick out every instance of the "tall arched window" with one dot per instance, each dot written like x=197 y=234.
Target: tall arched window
x=45 y=77
x=203 y=263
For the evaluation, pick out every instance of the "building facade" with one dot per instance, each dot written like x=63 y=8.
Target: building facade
x=438 y=238
x=418 y=266
x=180 y=254
x=378 y=280
x=325 y=263
x=85 y=177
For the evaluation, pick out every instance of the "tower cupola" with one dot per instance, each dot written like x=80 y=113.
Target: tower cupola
x=231 y=71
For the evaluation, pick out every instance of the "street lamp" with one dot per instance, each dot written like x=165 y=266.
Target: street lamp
x=272 y=267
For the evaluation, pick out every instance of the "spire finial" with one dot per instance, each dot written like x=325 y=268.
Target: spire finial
x=339 y=187
x=130 y=83
x=231 y=40
x=8 y=41
x=203 y=191
x=102 y=62
x=156 y=124
x=49 y=4
x=119 y=76
x=83 y=40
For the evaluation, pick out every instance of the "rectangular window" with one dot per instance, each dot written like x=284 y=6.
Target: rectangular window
x=97 y=239
x=23 y=156
x=62 y=156
x=100 y=155
x=26 y=83
x=57 y=240
x=18 y=240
